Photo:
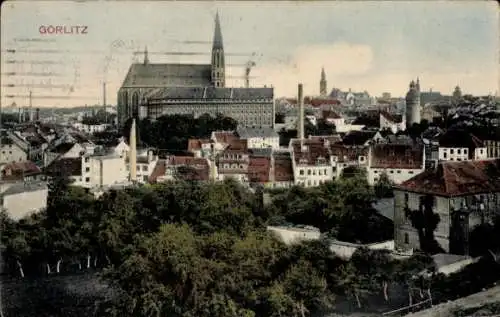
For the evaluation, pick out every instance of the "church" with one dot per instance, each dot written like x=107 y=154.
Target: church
x=152 y=90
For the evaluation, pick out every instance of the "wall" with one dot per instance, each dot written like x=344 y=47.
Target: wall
x=294 y=235
x=20 y=205
x=310 y=176
x=453 y=154
x=397 y=176
x=263 y=143
x=12 y=153
x=345 y=250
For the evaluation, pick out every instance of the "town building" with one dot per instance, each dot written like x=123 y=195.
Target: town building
x=11 y=152
x=463 y=194
x=413 y=106
x=392 y=122
x=399 y=162
x=460 y=145
x=21 y=199
x=311 y=162
x=153 y=90
x=259 y=138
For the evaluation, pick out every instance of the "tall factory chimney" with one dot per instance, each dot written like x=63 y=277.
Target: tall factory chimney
x=300 y=100
x=37 y=114
x=31 y=114
x=133 y=152
x=104 y=101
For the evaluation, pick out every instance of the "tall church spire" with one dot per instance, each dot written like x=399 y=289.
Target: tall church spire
x=322 y=83
x=146 y=59
x=217 y=43
x=218 y=62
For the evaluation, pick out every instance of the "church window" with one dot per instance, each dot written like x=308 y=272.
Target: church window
x=125 y=98
x=135 y=99
x=407 y=238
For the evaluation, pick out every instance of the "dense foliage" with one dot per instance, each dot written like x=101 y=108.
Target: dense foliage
x=170 y=133
x=191 y=249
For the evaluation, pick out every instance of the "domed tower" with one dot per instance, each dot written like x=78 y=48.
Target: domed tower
x=457 y=93
x=413 y=104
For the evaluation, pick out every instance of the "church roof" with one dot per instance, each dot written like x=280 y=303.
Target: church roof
x=212 y=93
x=183 y=75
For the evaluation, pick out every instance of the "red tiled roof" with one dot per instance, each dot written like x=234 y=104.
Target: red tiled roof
x=65 y=166
x=328 y=114
x=237 y=145
x=314 y=151
x=158 y=171
x=332 y=139
x=18 y=170
x=346 y=154
x=457 y=179
x=258 y=169
x=401 y=156
x=283 y=169
x=392 y=117
x=199 y=170
x=225 y=136
x=195 y=144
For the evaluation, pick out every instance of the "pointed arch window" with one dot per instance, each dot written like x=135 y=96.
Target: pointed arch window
x=125 y=98
x=135 y=99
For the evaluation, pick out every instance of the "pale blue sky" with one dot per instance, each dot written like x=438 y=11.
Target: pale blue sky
x=374 y=46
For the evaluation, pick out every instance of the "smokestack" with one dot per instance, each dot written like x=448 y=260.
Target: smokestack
x=300 y=100
x=37 y=115
x=31 y=114
x=133 y=152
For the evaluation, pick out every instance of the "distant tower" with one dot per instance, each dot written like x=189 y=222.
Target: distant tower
x=146 y=58
x=413 y=104
x=457 y=93
x=218 y=63
x=322 y=83
x=133 y=152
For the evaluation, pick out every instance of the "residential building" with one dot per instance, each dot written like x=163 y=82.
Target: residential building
x=259 y=138
x=233 y=162
x=311 y=162
x=181 y=167
x=459 y=145
x=281 y=174
x=11 y=152
x=201 y=147
x=392 y=122
x=63 y=150
x=343 y=157
x=463 y=194
x=399 y=162
x=91 y=128
x=24 y=198
x=21 y=171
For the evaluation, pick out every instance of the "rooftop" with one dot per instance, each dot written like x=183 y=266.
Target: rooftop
x=456 y=179
x=261 y=132
x=23 y=187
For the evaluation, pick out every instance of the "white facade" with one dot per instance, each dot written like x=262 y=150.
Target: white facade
x=21 y=200
x=395 y=175
x=345 y=250
x=12 y=153
x=90 y=128
x=291 y=235
x=461 y=154
x=263 y=142
x=312 y=175
x=99 y=171
x=393 y=126
x=344 y=128
x=336 y=121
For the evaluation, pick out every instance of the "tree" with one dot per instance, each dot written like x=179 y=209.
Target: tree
x=426 y=221
x=383 y=187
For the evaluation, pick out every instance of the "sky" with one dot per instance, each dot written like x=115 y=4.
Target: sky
x=377 y=46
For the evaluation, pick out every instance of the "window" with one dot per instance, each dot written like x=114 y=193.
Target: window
x=410 y=172
x=451 y=151
x=87 y=179
x=375 y=172
x=459 y=151
x=308 y=172
x=87 y=169
x=145 y=178
x=407 y=238
x=301 y=172
x=86 y=160
x=145 y=168
x=406 y=198
x=445 y=155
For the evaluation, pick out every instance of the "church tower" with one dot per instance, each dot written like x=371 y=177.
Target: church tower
x=322 y=83
x=218 y=63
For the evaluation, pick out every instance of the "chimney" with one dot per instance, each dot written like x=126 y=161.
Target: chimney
x=37 y=116
x=133 y=153
x=300 y=100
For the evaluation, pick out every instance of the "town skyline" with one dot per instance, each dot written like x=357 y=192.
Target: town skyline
x=380 y=49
